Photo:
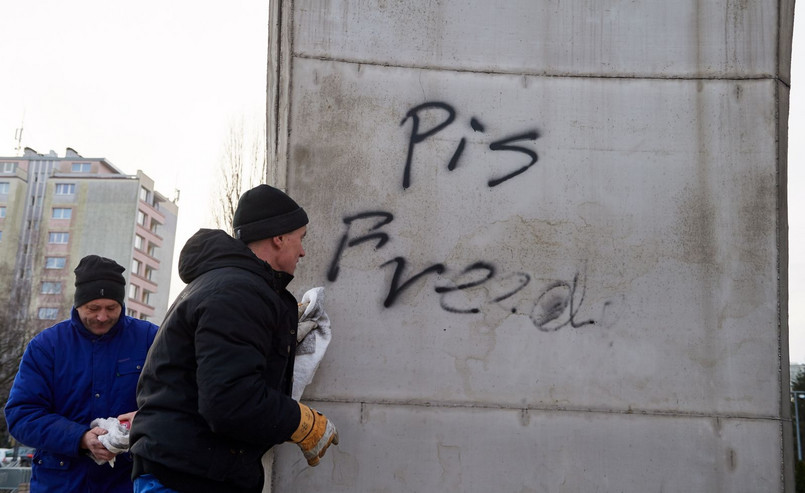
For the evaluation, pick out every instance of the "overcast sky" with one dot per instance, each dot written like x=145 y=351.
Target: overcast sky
x=155 y=85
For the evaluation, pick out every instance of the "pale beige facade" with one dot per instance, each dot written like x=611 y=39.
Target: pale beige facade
x=55 y=210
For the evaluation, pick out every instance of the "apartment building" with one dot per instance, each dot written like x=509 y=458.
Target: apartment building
x=55 y=210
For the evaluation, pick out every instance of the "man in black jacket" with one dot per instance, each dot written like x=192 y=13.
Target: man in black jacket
x=214 y=394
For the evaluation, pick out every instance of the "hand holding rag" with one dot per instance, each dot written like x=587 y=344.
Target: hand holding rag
x=313 y=335
x=115 y=441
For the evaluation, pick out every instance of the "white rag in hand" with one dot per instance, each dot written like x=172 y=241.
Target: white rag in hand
x=313 y=335
x=116 y=439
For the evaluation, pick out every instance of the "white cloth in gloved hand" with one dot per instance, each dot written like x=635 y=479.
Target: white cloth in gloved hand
x=115 y=440
x=313 y=335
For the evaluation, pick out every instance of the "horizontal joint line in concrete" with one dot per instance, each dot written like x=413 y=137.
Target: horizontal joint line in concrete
x=561 y=409
x=530 y=74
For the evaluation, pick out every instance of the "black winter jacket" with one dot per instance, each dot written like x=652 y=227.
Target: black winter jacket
x=214 y=392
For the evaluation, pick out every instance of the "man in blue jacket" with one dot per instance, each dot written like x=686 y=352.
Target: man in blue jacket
x=74 y=372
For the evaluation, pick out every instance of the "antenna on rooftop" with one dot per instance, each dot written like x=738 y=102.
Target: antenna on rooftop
x=18 y=136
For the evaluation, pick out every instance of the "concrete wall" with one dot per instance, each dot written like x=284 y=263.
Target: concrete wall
x=552 y=236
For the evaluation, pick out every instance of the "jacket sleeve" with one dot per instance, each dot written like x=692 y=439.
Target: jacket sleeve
x=233 y=343
x=29 y=411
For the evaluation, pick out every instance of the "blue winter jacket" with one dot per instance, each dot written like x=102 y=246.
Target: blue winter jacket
x=68 y=377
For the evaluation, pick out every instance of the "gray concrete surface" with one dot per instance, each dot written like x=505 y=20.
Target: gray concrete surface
x=552 y=237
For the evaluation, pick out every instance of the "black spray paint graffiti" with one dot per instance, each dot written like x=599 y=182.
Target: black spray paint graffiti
x=418 y=135
x=556 y=306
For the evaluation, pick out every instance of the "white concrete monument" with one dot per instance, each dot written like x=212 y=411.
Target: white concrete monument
x=552 y=237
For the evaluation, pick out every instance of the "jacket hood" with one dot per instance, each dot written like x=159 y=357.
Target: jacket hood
x=211 y=249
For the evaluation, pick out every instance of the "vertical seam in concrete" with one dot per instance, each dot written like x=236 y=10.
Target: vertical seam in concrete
x=781 y=135
x=778 y=242
x=276 y=98
x=781 y=176
x=288 y=94
x=777 y=39
x=272 y=87
x=278 y=90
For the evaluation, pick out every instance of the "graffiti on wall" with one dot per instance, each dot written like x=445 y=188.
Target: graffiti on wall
x=418 y=135
x=557 y=302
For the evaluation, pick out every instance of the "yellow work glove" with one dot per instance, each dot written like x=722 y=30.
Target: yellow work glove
x=314 y=434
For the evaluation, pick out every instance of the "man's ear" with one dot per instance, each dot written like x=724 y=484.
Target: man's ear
x=277 y=241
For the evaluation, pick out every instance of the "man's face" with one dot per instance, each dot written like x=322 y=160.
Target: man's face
x=100 y=315
x=290 y=250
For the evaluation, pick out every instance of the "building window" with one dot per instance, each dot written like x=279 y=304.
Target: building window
x=152 y=250
x=49 y=287
x=149 y=272
x=2 y=212
x=4 y=187
x=144 y=194
x=141 y=218
x=65 y=188
x=8 y=167
x=60 y=238
x=154 y=226
x=48 y=313
x=62 y=213
x=135 y=267
x=144 y=316
x=55 y=262
x=139 y=241
x=133 y=291
x=146 y=297
x=131 y=312
x=81 y=168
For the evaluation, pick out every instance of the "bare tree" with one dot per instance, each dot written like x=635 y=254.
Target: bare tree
x=14 y=336
x=18 y=326
x=12 y=345
x=243 y=165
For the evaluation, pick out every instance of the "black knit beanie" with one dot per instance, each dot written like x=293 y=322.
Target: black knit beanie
x=99 y=277
x=265 y=212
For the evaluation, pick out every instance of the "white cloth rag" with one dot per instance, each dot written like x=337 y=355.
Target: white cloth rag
x=115 y=440
x=313 y=336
